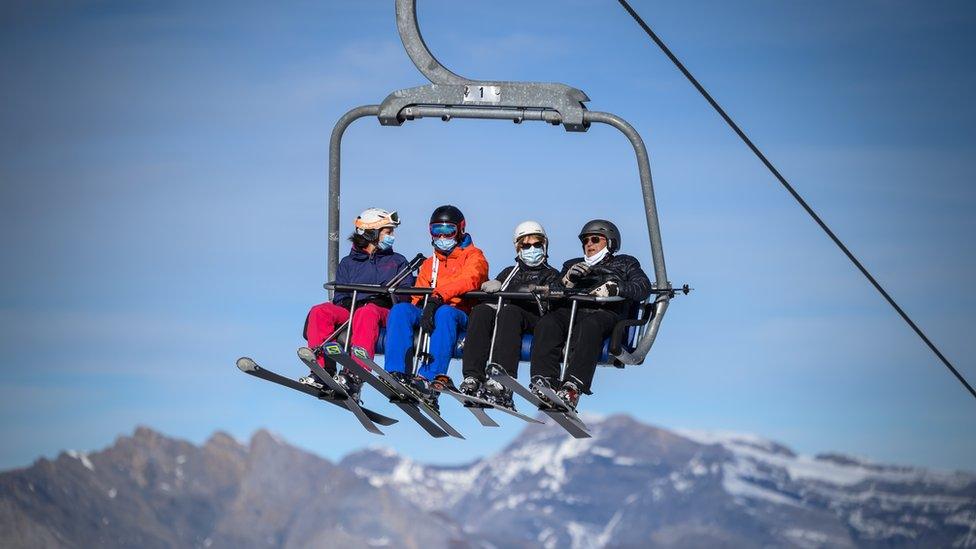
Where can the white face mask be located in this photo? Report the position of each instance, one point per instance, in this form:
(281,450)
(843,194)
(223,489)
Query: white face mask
(597,257)
(532,256)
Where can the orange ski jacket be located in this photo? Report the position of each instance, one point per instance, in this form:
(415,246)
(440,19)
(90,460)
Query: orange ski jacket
(464,270)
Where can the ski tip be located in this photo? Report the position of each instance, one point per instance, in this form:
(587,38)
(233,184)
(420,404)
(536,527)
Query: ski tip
(305,353)
(245,364)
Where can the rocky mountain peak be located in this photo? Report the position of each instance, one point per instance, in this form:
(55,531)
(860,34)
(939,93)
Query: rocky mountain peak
(632,484)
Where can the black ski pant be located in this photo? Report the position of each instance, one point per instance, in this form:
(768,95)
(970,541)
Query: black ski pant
(591,328)
(513,321)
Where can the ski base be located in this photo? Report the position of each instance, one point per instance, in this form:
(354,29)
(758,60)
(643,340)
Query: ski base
(471,401)
(401,391)
(308,357)
(407,405)
(561,415)
(476,407)
(250,367)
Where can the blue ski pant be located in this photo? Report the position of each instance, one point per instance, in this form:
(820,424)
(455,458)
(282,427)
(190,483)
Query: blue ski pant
(403,319)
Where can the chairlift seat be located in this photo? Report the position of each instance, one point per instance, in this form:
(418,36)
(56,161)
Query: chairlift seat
(624,337)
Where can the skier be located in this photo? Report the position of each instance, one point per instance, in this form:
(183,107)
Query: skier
(455,268)
(370,261)
(603,274)
(514,319)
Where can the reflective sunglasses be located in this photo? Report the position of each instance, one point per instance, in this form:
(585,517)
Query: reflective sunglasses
(591,239)
(443,229)
(527,245)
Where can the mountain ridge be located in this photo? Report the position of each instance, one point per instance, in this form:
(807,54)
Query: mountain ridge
(630,485)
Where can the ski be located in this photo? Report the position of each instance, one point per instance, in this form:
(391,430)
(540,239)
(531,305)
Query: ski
(406,404)
(477,402)
(248,366)
(559,414)
(334,350)
(475,406)
(560,404)
(308,357)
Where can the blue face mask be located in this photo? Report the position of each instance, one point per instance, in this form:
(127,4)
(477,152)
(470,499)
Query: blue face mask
(445,244)
(532,256)
(386,242)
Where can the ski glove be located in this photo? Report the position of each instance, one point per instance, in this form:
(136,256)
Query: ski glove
(491,286)
(607,289)
(427,316)
(575,273)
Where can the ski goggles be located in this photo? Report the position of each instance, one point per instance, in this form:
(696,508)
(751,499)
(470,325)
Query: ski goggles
(443,229)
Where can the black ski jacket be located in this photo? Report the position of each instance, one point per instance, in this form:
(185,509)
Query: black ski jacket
(540,275)
(625,270)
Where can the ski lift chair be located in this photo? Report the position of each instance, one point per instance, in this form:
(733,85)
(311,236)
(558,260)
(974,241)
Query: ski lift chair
(451,96)
(623,340)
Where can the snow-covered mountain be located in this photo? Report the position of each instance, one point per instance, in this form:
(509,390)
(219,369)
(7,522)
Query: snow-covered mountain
(635,485)
(631,485)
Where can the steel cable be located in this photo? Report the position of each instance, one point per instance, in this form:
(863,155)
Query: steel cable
(789,188)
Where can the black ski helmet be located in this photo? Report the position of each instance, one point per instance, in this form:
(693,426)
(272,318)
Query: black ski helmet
(604,228)
(448,214)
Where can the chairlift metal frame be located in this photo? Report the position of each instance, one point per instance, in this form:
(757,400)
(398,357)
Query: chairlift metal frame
(450,96)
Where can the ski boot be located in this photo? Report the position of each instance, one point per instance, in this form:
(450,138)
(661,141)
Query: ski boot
(426,394)
(499,395)
(471,386)
(541,381)
(570,394)
(350,383)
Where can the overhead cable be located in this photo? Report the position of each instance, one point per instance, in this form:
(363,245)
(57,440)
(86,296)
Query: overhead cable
(789,188)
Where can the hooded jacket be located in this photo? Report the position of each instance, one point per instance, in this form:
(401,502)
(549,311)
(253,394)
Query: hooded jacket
(461,271)
(360,267)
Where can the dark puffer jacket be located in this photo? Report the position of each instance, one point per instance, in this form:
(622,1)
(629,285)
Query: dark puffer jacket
(625,270)
(540,275)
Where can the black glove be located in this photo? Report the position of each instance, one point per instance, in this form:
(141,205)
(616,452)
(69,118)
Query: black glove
(427,316)
(575,273)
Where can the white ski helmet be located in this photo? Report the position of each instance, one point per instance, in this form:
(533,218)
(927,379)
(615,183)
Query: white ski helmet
(526,228)
(369,223)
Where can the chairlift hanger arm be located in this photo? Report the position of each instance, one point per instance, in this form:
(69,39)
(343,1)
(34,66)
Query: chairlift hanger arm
(448,88)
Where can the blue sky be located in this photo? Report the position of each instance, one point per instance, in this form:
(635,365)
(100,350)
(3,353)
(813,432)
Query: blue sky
(162,209)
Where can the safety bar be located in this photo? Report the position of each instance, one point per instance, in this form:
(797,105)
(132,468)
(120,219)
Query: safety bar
(558,294)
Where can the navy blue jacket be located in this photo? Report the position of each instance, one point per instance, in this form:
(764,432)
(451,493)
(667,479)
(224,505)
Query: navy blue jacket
(360,267)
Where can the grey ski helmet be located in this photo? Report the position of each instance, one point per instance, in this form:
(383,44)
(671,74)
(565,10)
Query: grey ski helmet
(604,228)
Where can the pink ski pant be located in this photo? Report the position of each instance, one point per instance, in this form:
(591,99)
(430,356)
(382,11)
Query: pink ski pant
(367,320)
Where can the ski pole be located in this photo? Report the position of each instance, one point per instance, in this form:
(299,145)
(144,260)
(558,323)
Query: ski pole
(494,331)
(426,357)
(569,336)
(352,309)
(407,269)
(419,342)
